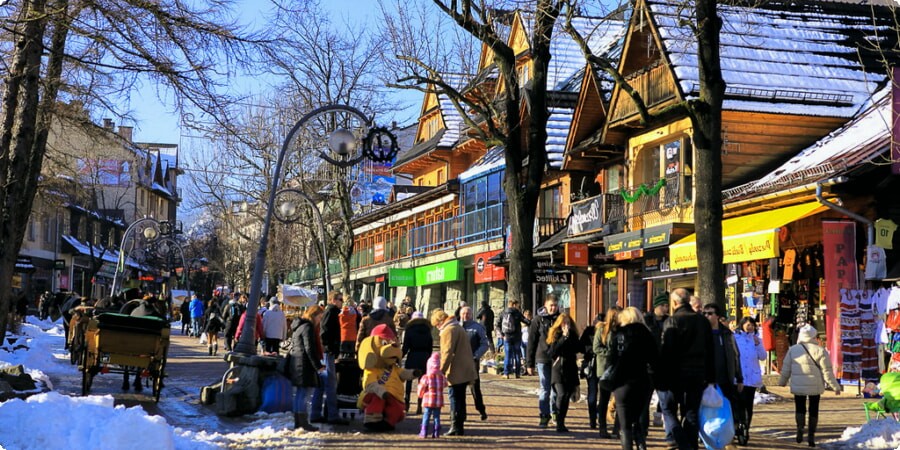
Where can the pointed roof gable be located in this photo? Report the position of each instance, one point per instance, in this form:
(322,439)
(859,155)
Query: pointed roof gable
(813,57)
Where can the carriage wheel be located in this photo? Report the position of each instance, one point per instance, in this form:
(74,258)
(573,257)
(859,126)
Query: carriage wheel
(158,380)
(87,376)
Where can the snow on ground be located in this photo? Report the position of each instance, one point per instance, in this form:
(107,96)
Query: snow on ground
(43,354)
(765,398)
(876,434)
(54,420)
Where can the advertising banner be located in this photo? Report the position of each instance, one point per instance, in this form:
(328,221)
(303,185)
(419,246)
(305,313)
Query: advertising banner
(401,277)
(839,245)
(486,272)
(586,216)
(437,273)
(576,255)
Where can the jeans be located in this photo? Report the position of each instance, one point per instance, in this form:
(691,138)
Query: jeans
(457,394)
(431,415)
(669,407)
(326,390)
(475,387)
(593,390)
(546,395)
(301,398)
(195,326)
(686,431)
(512,359)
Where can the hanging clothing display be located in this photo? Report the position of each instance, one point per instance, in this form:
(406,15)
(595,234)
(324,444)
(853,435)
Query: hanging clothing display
(869,362)
(876,263)
(851,338)
(884,233)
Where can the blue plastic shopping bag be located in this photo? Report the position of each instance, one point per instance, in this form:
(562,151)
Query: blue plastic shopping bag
(717,424)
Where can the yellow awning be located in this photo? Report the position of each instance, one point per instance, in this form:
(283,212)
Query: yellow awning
(746,238)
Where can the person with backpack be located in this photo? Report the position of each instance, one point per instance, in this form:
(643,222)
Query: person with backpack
(510,325)
(538,356)
(197,310)
(231,313)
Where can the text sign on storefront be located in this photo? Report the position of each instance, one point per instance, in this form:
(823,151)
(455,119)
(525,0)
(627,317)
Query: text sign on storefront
(740,248)
(552,278)
(486,272)
(586,216)
(401,277)
(576,254)
(379,252)
(437,273)
(653,237)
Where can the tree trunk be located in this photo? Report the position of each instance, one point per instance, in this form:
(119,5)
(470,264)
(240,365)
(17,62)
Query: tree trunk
(707,122)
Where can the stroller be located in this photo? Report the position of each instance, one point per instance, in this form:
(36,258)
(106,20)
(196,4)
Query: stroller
(349,385)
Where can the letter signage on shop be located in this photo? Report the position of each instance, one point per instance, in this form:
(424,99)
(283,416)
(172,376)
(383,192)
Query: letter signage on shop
(586,216)
(401,277)
(740,248)
(647,238)
(576,254)
(437,273)
(552,278)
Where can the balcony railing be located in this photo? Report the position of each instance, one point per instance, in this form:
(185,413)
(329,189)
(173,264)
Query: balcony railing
(548,226)
(675,192)
(654,86)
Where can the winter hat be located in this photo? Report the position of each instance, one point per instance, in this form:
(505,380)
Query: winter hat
(433,366)
(379,303)
(274,300)
(385,332)
(418,315)
(661,299)
(806,334)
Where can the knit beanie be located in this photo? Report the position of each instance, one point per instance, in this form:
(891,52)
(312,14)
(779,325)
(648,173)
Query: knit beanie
(434,364)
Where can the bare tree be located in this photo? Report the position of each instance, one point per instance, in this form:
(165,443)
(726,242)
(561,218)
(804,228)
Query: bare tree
(94,51)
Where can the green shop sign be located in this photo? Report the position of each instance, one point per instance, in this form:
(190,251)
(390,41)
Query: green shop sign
(401,277)
(437,273)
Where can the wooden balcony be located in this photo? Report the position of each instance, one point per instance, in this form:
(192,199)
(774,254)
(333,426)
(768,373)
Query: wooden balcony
(654,86)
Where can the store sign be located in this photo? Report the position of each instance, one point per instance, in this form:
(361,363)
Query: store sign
(552,278)
(739,248)
(610,274)
(437,273)
(586,216)
(379,252)
(59,264)
(64,282)
(895,129)
(486,272)
(656,261)
(401,277)
(576,254)
(17,281)
(653,237)
(839,251)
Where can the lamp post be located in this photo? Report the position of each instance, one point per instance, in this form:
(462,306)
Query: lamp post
(150,232)
(155,233)
(344,144)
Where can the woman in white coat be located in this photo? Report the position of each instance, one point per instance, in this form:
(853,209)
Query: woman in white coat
(808,368)
(751,352)
(274,326)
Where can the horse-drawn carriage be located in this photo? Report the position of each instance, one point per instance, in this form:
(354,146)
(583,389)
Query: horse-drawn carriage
(117,343)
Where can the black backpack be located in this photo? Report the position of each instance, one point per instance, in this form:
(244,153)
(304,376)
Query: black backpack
(508,324)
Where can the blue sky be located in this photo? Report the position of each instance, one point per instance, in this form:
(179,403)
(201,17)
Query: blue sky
(156,119)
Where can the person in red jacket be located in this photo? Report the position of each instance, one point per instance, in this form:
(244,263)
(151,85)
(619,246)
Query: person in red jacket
(349,323)
(240,328)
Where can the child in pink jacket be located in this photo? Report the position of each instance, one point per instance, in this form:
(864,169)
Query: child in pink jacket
(431,392)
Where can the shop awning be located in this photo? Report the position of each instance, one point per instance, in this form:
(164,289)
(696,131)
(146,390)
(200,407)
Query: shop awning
(746,238)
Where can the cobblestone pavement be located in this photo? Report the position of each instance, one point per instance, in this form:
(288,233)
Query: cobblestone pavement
(512,423)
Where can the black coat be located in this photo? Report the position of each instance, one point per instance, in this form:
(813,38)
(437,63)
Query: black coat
(633,353)
(331,330)
(564,354)
(537,338)
(686,351)
(214,321)
(231,313)
(417,343)
(486,317)
(306,356)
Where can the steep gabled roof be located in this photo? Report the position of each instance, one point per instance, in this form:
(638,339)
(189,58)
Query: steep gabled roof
(862,140)
(811,57)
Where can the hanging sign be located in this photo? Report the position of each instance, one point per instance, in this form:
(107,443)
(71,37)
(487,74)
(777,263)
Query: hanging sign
(576,254)
(486,272)
(401,277)
(586,216)
(839,251)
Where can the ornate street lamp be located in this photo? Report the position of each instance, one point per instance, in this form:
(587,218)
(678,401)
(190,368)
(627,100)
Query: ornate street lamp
(346,145)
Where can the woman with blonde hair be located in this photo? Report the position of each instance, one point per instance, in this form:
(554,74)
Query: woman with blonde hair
(305,364)
(563,348)
(457,364)
(601,351)
(632,358)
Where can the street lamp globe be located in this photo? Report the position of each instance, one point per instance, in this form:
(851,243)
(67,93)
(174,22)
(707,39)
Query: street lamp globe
(288,209)
(150,233)
(342,141)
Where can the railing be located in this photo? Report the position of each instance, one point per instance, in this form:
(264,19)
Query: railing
(675,191)
(548,226)
(653,85)
(474,226)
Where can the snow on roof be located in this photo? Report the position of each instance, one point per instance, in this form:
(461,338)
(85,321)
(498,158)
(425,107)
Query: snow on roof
(158,187)
(859,141)
(558,125)
(601,34)
(493,160)
(792,57)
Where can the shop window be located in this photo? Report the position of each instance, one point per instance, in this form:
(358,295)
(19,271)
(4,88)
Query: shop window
(31,231)
(440,177)
(47,229)
(666,169)
(613,178)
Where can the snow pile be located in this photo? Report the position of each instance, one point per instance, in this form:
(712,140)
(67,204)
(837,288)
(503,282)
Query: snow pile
(876,434)
(264,431)
(762,398)
(52,420)
(40,349)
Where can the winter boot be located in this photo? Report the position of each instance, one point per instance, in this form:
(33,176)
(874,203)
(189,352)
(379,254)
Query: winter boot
(138,387)
(210,350)
(215,348)
(423,433)
(301,420)
(801,419)
(813,423)
(419,407)
(545,421)
(592,416)
(561,424)
(640,440)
